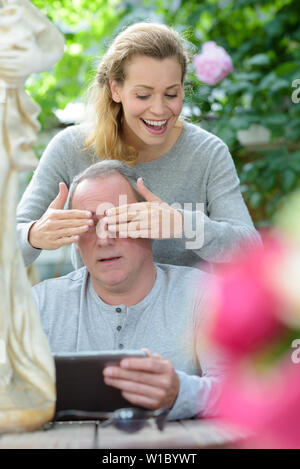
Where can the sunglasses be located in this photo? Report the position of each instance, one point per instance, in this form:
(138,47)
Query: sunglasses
(129,420)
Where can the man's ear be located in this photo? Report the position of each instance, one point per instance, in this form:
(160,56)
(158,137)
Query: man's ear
(115,91)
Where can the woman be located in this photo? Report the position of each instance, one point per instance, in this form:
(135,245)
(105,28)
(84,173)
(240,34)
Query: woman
(136,100)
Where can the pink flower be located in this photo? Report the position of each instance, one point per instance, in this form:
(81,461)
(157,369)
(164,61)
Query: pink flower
(244,306)
(267,406)
(260,397)
(213,64)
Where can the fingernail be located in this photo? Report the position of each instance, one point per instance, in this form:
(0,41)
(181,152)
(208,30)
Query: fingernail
(88,214)
(125,364)
(108,372)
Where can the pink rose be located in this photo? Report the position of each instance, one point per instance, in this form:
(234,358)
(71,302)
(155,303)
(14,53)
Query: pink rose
(244,306)
(246,316)
(213,64)
(267,406)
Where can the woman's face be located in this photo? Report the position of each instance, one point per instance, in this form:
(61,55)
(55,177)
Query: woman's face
(151,98)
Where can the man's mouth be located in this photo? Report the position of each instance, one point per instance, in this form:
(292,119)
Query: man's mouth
(109,260)
(156,127)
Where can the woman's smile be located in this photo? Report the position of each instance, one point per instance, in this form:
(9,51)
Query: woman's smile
(155,127)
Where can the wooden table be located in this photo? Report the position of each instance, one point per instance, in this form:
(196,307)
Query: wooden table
(89,435)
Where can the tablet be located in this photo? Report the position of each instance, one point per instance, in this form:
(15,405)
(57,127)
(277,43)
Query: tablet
(80,384)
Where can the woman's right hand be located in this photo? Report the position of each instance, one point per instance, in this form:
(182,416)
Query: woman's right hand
(58,227)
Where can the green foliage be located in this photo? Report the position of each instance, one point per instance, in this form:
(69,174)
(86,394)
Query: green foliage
(262,38)
(86,26)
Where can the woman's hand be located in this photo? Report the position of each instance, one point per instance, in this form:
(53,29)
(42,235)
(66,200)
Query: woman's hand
(58,227)
(152,219)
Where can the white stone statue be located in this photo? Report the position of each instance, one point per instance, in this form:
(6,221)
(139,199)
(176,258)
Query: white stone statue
(29,43)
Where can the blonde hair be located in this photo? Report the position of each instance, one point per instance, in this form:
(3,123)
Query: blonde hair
(148,39)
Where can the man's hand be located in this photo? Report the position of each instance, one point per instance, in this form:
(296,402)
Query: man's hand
(149,382)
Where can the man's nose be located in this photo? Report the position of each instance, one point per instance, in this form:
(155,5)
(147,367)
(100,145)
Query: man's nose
(106,241)
(103,236)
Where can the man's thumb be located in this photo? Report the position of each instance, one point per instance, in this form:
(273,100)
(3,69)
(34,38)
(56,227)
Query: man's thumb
(60,200)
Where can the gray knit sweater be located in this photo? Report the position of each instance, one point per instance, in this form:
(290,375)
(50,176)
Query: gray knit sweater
(197,174)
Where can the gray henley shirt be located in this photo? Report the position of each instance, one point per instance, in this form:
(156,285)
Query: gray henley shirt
(166,321)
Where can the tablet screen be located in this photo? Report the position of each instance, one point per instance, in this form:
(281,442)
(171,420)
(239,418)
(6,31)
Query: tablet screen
(80,384)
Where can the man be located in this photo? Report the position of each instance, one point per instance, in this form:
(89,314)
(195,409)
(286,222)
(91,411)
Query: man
(121,299)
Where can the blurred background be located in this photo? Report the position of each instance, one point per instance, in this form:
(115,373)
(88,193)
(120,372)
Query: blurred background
(255,109)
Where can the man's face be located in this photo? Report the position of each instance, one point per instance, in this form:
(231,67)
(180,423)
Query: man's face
(115,264)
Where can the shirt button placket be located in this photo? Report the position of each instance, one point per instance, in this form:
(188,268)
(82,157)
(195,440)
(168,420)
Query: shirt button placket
(119,327)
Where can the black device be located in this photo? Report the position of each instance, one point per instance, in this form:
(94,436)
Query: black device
(80,383)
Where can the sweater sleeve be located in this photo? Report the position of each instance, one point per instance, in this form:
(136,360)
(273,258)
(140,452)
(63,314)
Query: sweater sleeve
(199,394)
(216,230)
(42,189)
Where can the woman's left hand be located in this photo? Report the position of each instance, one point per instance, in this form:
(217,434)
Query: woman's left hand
(152,219)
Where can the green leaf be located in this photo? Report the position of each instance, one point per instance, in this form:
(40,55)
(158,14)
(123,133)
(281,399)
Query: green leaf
(202,92)
(251,175)
(234,88)
(267,81)
(255,200)
(267,181)
(279,85)
(295,166)
(288,179)
(275,27)
(276,119)
(285,68)
(227,134)
(247,76)
(295,161)
(259,59)
(292,130)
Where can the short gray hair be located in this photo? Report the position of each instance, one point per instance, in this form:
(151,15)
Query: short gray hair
(102,169)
